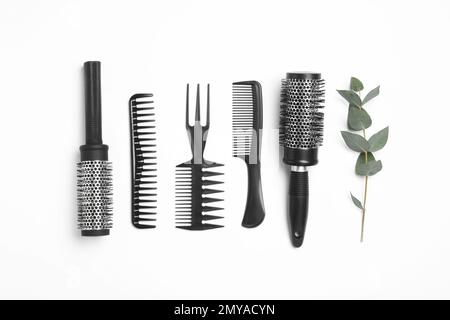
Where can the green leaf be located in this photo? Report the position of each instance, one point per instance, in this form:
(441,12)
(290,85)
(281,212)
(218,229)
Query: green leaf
(358,119)
(367,169)
(356,84)
(351,97)
(361,161)
(372,94)
(357,202)
(355,141)
(378,140)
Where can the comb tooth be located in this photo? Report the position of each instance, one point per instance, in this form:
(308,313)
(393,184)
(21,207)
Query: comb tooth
(138,206)
(144,188)
(145,182)
(212,165)
(204,226)
(138,194)
(139,200)
(211,173)
(144,120)
(147,214)
(137,139)
(210,208)
(146,158)
(136,127)
(207,217)
(137,109)
(145,219)
(138,115)
(140,102)
(209,200)
(211,191)
(210,182)
(141,175)
(147,145)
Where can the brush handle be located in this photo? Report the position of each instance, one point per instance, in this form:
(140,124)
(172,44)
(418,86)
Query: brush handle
(298,206)
(93,103)
(254,210)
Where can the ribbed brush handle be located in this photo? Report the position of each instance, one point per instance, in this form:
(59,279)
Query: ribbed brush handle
(93,102)
(254,211)
(298,206)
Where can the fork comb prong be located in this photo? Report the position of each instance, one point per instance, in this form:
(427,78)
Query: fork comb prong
(197,105)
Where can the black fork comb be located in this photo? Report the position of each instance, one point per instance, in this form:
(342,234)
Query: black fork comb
(143,161)
(193,178)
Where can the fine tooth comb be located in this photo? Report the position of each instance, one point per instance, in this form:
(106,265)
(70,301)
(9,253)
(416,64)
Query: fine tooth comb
(301,134)
(247,132)
(143,161)
(193,183)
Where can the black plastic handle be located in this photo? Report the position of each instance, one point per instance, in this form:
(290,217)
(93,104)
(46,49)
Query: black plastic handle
(254,210)
(93,102)
(298,206)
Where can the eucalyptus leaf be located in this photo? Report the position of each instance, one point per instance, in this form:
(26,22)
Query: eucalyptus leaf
(368,169)
(351,97)
(372,94)
(355,141)
(378,140)
(361,161)
(356,84)
(356,202)
(358,118)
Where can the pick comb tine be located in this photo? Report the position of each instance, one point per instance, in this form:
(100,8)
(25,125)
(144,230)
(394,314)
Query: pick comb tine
(207,108)
(187,107)
(197,105)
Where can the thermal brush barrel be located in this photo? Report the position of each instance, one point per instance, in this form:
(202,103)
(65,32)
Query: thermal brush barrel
(94,169)
(301,132)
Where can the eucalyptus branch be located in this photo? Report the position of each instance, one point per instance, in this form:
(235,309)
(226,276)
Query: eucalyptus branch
(359,120)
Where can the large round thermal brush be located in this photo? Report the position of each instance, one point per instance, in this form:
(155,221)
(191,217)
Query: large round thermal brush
(94,169)
(301,132)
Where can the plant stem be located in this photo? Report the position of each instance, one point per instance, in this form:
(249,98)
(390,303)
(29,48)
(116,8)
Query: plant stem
(364,208)
(366,181)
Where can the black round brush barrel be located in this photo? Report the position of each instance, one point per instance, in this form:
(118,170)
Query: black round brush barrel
(94,170)
(301,131)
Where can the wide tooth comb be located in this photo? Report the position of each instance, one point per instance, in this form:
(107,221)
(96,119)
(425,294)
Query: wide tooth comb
(143,164)
(193,176)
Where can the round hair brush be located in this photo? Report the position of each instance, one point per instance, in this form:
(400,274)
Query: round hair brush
(94,170)
(301,133)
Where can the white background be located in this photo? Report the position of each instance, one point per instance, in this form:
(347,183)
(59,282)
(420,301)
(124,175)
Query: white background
(158,47)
